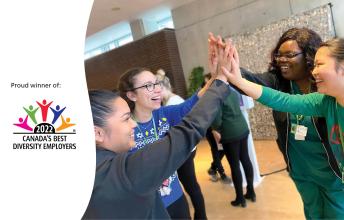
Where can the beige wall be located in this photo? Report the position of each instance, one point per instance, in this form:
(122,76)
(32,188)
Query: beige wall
(228,17)
(234,17)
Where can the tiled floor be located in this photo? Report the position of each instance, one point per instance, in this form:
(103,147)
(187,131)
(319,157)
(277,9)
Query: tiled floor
(277,197)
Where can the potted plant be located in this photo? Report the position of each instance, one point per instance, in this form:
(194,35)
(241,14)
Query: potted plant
(195,80)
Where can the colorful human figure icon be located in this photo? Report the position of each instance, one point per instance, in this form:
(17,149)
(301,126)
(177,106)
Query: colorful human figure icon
(65,124)
(44,109)
(31,113)
(57,112)
(23,124)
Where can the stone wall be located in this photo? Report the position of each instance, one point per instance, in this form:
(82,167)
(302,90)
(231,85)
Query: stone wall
(255,26)
(254,48)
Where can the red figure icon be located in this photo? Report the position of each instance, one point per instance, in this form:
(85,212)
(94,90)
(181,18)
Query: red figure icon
(44,109)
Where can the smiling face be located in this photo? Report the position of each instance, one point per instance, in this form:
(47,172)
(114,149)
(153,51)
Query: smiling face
(118,133)
(327,73)
(292,67)
(146,100)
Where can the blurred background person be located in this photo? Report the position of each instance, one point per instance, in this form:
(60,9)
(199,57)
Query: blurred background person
(186,173)
(216,170)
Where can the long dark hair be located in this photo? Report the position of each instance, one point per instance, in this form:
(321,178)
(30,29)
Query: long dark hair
(308,41)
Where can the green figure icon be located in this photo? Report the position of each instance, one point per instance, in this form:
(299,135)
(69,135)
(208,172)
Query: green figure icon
(31,113)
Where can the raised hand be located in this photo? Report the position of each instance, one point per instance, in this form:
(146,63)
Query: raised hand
(233,75)
(213,39)
(225,54)
(222,54)
(212,55)
(232,70)
(212,64)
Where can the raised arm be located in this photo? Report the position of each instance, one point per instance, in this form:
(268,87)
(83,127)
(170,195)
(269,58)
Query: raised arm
(144,170)
(311,104)
(233,74)
(213,61)
(267,79)
(175,113)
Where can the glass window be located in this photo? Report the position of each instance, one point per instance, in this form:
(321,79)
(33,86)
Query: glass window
(108,46)
(165,23)
(124,40)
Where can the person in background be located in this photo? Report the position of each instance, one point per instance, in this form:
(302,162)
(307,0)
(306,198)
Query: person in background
(168,96)
(213,138)
(232,126)
(320,184)
(186,173)
(141,89)
(126,184)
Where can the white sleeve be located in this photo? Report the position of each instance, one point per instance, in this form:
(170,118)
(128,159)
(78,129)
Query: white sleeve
(175,100)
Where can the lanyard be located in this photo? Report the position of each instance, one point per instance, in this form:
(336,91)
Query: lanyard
(341,142)
(298,117)
(144,136)
(340,130)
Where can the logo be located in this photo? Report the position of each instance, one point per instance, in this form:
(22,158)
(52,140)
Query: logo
(57,124)
(44,125)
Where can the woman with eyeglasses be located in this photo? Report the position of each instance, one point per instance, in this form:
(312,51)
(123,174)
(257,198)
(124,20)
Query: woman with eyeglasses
(289,71)
(321,188)
(312,161)
(141,89)
(125,185)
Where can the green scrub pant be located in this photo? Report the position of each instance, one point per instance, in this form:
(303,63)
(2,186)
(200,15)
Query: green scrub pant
(322,202)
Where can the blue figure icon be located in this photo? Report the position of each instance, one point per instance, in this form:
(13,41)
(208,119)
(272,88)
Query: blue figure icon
(57,112)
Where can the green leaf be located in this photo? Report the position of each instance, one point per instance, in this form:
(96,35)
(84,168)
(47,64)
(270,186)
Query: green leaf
(196,80)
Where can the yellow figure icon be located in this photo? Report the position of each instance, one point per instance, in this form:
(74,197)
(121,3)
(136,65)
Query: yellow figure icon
(65,124)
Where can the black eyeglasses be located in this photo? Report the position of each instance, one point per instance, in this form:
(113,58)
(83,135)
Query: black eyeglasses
(287,56)
(149,86)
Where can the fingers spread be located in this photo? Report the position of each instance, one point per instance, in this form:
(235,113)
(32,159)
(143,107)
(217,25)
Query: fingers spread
(211,38)
(236,55)
(227,49)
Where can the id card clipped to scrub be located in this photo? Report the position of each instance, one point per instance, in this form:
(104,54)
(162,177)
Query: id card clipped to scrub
(300,132)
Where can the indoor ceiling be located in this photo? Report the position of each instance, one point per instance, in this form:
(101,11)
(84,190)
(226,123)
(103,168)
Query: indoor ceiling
(105,13)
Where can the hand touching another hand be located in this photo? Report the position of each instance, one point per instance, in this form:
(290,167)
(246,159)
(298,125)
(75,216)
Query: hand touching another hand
(212,55)
(231,65)
(233,74)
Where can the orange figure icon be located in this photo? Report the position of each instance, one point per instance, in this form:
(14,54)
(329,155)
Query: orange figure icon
(65,124)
